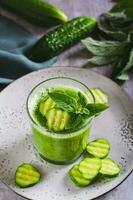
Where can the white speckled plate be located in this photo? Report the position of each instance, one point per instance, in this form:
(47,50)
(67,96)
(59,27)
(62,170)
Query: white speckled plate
(116,124)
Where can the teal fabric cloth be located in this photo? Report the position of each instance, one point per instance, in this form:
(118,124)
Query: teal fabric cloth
(14,41)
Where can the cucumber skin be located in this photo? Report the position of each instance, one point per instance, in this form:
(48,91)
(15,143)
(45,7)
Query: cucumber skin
(30,185)
(61,38)
(36,11)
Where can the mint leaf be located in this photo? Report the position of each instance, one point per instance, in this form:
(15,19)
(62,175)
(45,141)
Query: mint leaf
(104,48)
(96,108)
(85,111)
(67,103)
(81,100)
(102,60)
(109,33)
(123,77)
(74,121)
(118,17)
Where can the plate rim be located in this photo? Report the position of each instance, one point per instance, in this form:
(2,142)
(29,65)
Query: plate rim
(70,68)
(67,68)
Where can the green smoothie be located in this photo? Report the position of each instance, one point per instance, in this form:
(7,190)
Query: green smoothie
(62,124)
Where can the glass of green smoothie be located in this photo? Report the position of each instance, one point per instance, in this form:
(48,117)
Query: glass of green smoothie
(59,119)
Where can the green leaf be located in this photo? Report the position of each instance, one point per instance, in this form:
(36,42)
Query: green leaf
(81,100)
(104,48)
(67,103)
(102,60)
(123,77)
(106,31)
(85,111)
(123,5)
(130,37)
(121,14)
(122,65)
(74,121)
(118,17)
(123,73)
(97,108)
(129,64)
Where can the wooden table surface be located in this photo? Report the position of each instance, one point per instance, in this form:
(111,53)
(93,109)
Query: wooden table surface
(77,57)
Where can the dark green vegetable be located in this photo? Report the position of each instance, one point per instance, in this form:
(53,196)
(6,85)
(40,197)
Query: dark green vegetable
(63,37)
(36,11)
(27,175)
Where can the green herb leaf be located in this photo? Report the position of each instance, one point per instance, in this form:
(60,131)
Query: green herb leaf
(118,18)
(104,48)
(81,100)
(116,44)
(121,64)
(109,33)
(129,64)
(67,103)
(123,5)
(123,73)
(96,108)
(86,111)
(102,60)
(123,77)
(74,121)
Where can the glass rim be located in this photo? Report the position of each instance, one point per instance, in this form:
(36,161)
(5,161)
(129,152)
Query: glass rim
(45,129)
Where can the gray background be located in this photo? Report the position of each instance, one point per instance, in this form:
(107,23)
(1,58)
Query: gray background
(77,57)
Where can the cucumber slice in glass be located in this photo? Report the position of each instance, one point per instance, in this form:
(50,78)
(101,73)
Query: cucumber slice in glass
(57,119)
(45,106)
(100,96)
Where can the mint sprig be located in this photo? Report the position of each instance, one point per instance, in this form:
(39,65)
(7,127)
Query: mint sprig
(114,44)
(77,107)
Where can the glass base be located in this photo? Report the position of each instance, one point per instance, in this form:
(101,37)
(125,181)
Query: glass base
(42,159)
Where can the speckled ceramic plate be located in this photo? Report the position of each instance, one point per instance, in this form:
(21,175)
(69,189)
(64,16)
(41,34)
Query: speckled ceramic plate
(116,124)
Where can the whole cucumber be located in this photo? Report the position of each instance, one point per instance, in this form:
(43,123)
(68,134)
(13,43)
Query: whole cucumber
(61,38)
(36,11)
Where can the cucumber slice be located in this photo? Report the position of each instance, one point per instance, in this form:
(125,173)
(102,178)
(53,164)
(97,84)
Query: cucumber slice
(109,168)
(45,106)
(100,96)
(27,175)
(57,119)
(77,177)
(99,148)
(89,167)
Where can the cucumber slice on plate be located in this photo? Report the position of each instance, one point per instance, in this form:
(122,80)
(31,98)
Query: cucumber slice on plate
(109,168)
(98,148)
(77,177)
(100,96)
(57,119)
(89,167)
(45,106)
(27,175)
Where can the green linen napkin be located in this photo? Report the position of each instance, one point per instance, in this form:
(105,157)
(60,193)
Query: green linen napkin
(14,41)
